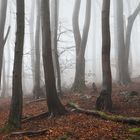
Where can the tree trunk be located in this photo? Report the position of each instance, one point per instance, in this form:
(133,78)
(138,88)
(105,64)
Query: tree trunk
(79,81)
(123,69)
(54,31)
(2,27)
(104,101)
(54,105)
(37,89)
(130,23)
(3,94)
(32,40)
(14,120)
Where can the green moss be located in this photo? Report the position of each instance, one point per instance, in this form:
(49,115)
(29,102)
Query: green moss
(110,117)
(134,137)
(64,137)
(9,127)
(134,130)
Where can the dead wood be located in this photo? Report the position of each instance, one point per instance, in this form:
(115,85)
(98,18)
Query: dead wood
(34,101)
(36,117)
(105,116)
(28,133)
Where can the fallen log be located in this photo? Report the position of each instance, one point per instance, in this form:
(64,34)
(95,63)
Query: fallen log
(40,116)
(28,133)
(105,116)
(38,100)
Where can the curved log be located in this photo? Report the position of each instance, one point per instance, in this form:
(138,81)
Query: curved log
(105,116)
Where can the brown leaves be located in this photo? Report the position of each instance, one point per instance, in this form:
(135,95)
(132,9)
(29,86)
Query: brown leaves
(75,126)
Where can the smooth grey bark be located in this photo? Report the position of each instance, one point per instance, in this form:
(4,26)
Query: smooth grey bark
(104,101)
(3,94)
(23,77)
(54,31)
(37,89)
(32,39)
(8,65)
(131,20)
(94,36)
(2,27)
(123,69)
(81,42)
(14,120)
(115,42)
(54,105)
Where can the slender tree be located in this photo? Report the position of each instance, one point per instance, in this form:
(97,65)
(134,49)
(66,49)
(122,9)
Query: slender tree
(104,100)
(14,120)
(131,20)
(37,88)
(123,69)
(2,27)
(54,31)
(81,42)
(3,94)
(54,105)
(32,39)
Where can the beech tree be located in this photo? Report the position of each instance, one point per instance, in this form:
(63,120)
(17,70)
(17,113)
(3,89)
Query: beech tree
(32,40)
(14,120)
(2,27)
(3,94)
(37,89)
(80,42)
(54,105)
(131,20)
(104,101)
(54,32)
(123,69)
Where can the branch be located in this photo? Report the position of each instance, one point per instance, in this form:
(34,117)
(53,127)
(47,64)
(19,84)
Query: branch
(103,115)
(7,34)
(38,100)
(40,116)
(28,133)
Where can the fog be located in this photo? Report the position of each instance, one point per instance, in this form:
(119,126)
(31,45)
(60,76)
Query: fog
(66,43)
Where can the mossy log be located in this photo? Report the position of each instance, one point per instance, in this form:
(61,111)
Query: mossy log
(135,130)
(105,116)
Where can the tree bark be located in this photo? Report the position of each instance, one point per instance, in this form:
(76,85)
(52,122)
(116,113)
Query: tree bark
(123,68)
(32,40)
(104,101)
(37,89)
(130,23)
(14,120)
(3,94)
(79,81)
(2,27)
(54,105)
(54,31)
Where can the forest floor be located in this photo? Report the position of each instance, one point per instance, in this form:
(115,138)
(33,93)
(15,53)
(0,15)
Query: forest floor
(76,126)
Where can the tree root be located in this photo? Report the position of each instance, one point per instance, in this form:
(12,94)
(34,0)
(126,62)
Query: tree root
(40,116)
(103,115)
(27,133)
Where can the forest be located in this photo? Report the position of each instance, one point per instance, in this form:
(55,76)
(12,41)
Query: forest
(69,70)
